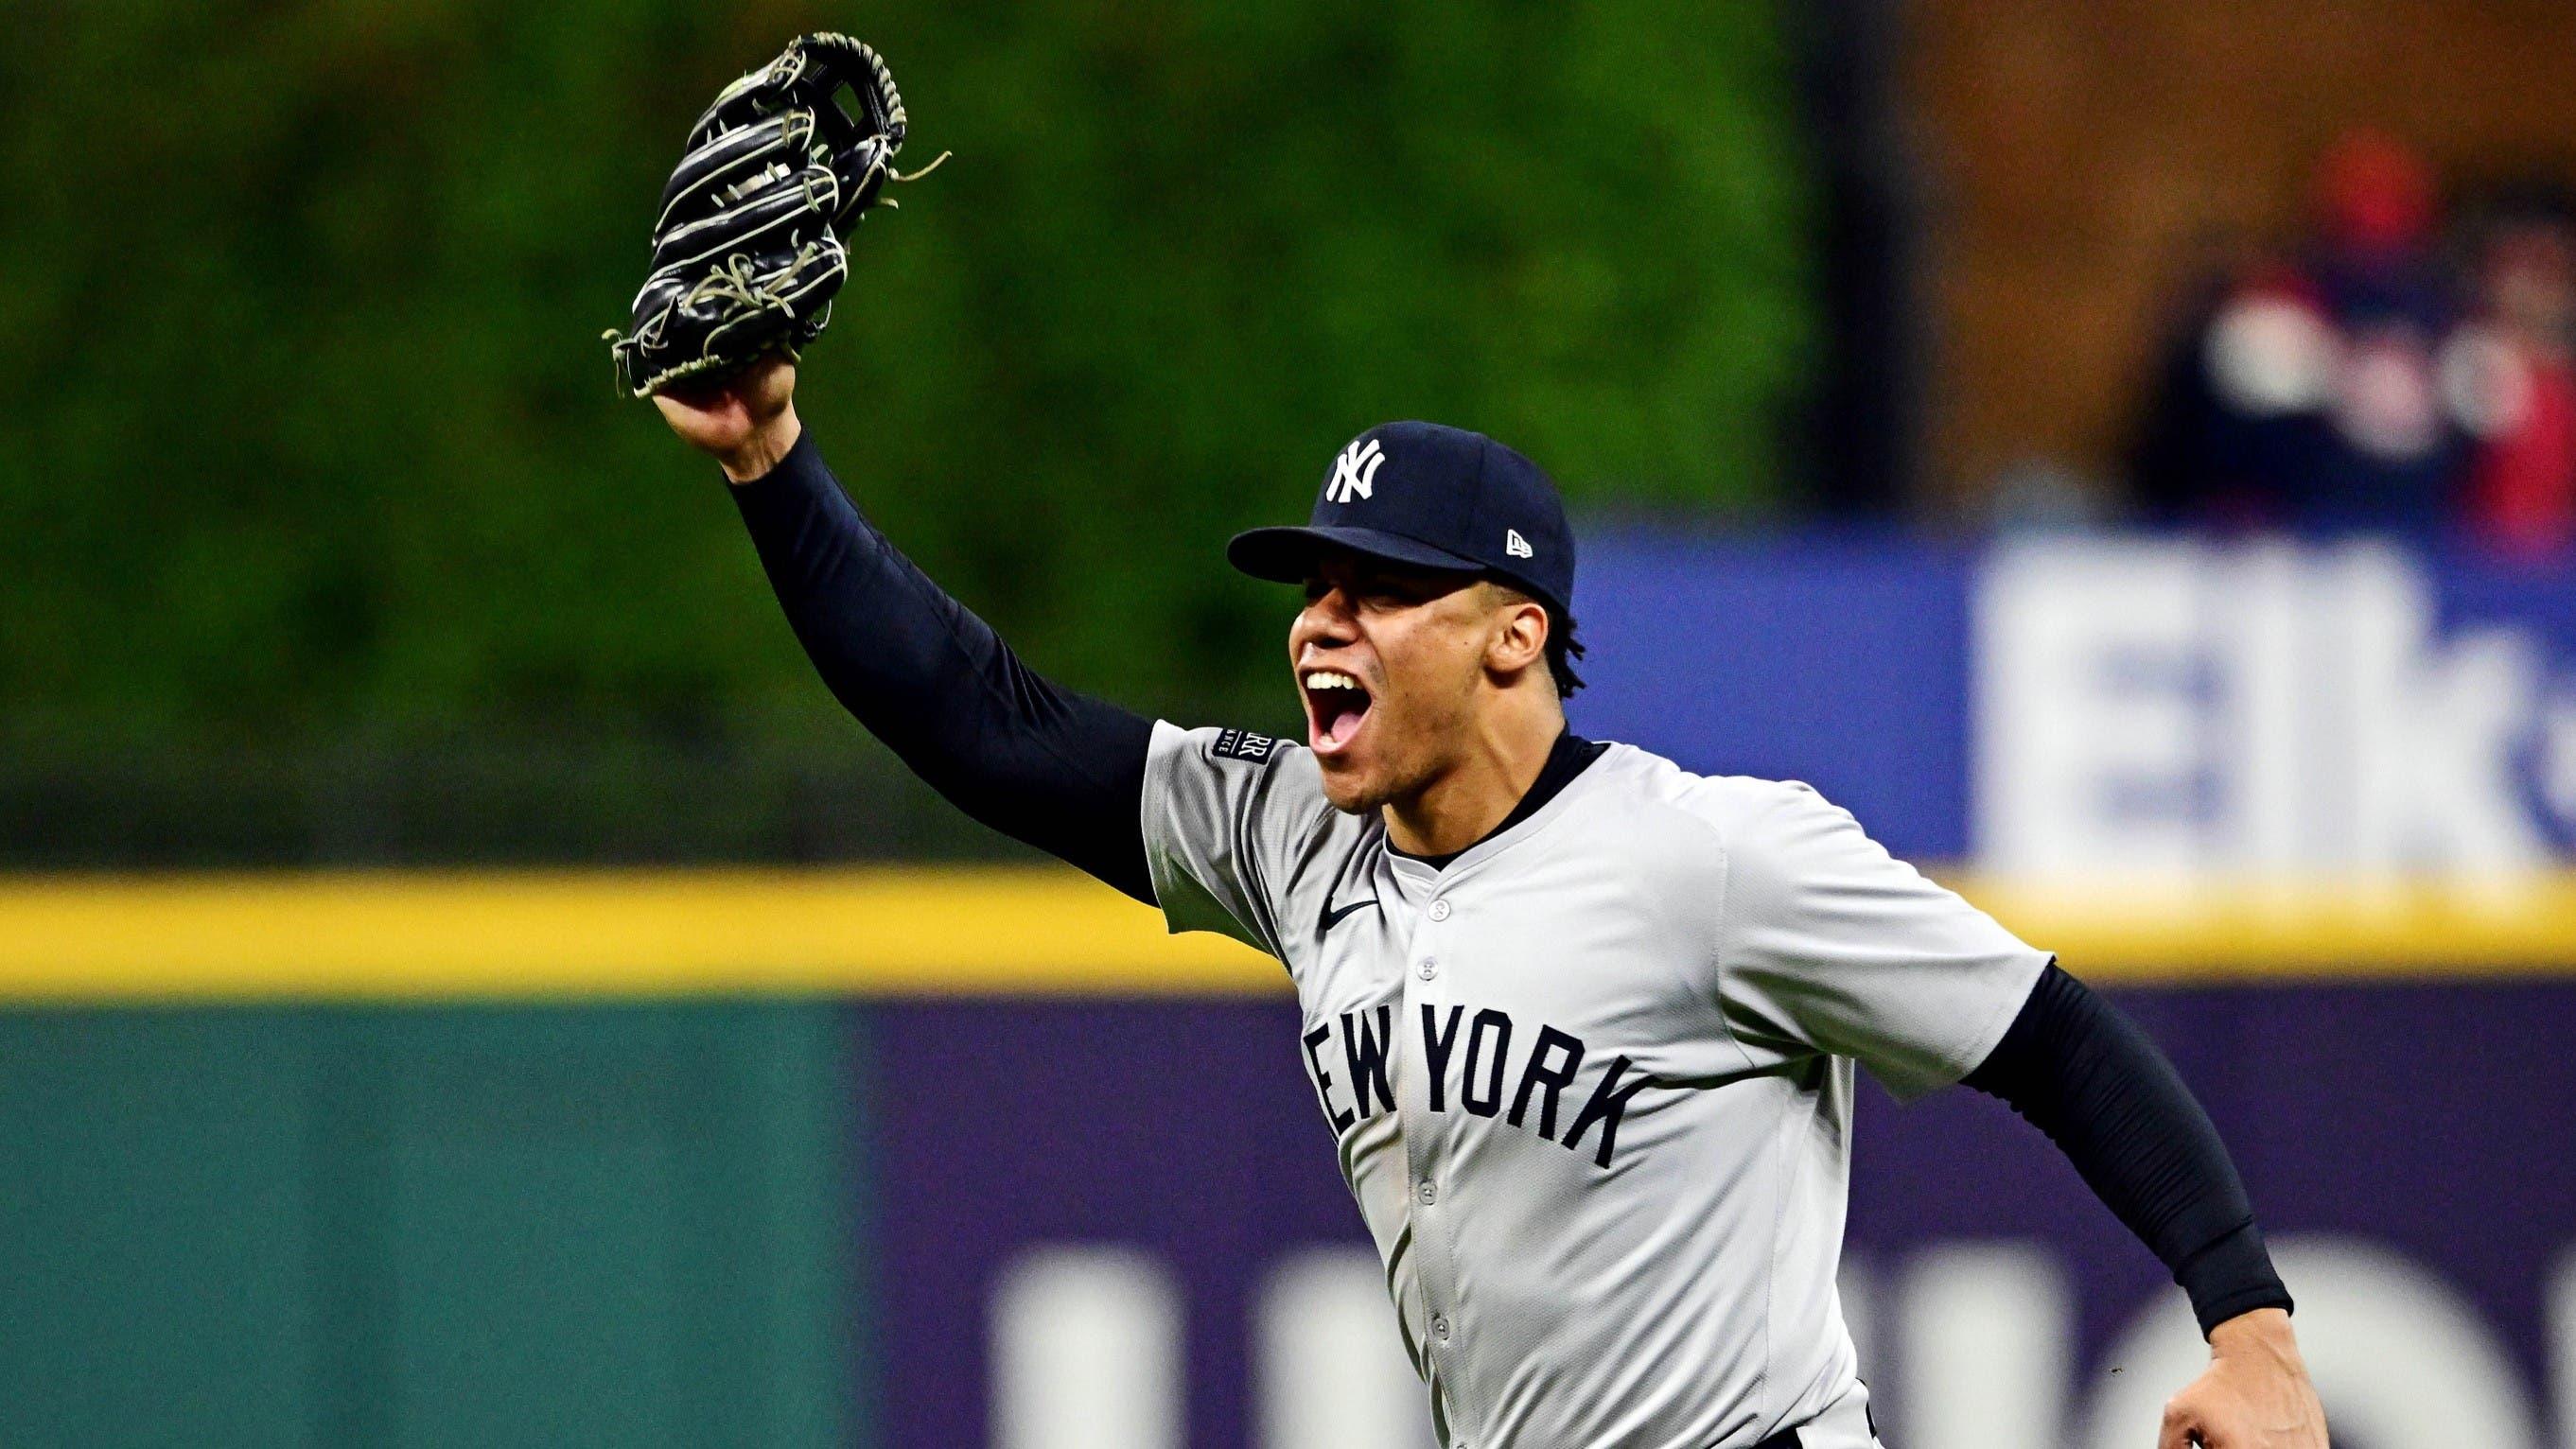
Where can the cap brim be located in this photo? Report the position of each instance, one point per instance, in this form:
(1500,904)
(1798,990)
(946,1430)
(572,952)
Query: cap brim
(1287,554)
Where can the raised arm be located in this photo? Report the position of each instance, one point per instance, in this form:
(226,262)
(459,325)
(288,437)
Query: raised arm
(2088,1077)
(1045,765)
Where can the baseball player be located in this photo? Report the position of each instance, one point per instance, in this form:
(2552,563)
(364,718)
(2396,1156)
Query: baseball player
(1583,1024)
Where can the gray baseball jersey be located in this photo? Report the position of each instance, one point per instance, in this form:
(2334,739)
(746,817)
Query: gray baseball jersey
(1591,1082)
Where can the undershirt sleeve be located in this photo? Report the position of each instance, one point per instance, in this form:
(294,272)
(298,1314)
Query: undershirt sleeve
(2082,1072)
(1045,765)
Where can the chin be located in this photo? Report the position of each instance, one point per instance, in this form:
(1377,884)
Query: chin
(1351,790)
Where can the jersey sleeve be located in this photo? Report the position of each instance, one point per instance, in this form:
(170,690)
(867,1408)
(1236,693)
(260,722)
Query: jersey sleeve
(1828,943)
(1226,814)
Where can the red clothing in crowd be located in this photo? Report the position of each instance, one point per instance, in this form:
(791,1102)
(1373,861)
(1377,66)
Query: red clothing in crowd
(2523,499)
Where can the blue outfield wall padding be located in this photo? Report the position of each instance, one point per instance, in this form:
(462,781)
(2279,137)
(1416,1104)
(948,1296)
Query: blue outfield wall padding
(1186,1142)
(1841,661)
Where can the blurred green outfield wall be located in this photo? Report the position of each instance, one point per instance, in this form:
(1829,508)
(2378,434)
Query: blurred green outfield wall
(312,453)
(492,1226)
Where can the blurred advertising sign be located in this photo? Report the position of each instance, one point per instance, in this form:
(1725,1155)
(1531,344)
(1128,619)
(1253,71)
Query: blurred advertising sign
(1087,1351)
(2144,708)
(1117,1225)
(2089,707)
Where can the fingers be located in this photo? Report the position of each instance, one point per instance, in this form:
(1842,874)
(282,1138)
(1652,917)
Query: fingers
(696,395)
(767,384)
(682,412)
(713,422)
(2181,1429)
(727,416)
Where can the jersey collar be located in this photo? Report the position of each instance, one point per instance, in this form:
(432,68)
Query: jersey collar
(1567,760)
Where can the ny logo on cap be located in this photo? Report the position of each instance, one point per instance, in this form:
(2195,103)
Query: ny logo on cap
(1355,472)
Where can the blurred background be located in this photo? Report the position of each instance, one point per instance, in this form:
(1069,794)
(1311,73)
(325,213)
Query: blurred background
(463,982)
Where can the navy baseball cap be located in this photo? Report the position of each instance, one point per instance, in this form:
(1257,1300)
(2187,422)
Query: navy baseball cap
(1433,497)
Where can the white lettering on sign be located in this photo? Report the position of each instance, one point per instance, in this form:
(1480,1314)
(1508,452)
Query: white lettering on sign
(1970,1346)
(2172,708)
(1086,1346)
(1969,1308)
(1328,1364)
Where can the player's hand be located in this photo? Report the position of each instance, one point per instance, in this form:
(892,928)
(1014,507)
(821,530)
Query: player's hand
(746,423)
(2256,1394)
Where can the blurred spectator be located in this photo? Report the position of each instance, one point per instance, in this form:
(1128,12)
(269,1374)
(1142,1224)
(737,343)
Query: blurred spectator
(2515,381)
(2304,392)
(2039,494)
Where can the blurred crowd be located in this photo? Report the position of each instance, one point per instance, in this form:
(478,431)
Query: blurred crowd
(2398,371)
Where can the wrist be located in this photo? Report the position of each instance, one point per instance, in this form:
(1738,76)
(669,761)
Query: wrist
(759,453)
(2264,1332)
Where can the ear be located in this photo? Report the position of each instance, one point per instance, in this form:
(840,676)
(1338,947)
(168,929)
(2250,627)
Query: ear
(1519,640)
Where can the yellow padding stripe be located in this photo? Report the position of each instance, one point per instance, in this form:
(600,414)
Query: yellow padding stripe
(1008,931)
(2301,930)
(599,934)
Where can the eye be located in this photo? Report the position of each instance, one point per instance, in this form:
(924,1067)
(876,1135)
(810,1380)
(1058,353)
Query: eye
(1398,591)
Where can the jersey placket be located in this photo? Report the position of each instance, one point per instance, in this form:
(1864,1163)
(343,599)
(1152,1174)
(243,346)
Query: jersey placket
(1429,975)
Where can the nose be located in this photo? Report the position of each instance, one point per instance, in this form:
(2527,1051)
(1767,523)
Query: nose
(1327,622)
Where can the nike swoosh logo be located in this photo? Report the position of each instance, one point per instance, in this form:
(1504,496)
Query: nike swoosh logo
(1333,917)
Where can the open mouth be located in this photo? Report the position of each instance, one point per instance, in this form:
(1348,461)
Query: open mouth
(1336,703)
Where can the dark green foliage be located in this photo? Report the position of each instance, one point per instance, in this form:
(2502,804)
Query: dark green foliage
(311,436)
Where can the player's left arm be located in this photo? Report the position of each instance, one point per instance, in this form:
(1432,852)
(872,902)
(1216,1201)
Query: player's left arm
(2083,1073)
(1828,943)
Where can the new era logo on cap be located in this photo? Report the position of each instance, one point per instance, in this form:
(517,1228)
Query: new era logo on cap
(1355,471)
(1515,545)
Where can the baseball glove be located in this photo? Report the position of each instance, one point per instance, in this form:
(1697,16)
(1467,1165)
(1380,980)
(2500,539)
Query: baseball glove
(747,250)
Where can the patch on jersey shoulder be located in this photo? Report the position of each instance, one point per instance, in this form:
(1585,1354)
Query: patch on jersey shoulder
(1242,745)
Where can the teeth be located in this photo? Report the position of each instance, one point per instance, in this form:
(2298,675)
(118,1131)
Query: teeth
(1330,679)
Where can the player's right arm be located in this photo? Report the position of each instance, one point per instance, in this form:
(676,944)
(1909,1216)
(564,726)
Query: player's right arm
(1043,764)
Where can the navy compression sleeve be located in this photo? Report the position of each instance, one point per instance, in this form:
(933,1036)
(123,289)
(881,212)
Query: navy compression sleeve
(1059,770)
(2083,1073)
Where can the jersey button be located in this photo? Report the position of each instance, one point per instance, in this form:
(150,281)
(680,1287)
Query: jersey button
(1440,1329)
(1440,909)
(1429,968)
(1428,1193)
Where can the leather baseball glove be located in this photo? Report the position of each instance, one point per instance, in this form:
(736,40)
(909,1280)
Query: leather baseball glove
(747,250)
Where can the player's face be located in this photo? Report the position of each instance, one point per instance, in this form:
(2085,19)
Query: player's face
(1390,662)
